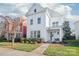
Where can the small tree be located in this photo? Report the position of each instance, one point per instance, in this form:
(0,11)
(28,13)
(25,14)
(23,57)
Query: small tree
(66,30)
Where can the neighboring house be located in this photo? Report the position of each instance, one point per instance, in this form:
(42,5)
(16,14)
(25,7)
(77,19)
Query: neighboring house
(77,29)
(23,27)
(2,25)
(44,23)
(13,28)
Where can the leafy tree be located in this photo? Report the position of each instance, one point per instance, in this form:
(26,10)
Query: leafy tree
(66,30)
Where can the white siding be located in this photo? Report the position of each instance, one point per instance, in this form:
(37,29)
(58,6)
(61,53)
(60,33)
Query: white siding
(77,29)
(35,26)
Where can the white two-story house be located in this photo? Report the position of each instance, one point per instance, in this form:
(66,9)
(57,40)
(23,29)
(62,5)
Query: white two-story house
(42,22)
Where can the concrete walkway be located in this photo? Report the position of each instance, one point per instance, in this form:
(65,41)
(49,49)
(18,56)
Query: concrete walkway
(12,52)
(41,49)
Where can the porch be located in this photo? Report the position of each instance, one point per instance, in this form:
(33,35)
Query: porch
(54,34)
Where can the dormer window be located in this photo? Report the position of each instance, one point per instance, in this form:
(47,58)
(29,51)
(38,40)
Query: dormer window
(34,10)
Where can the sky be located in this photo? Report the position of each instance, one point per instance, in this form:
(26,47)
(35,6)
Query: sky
(19,9)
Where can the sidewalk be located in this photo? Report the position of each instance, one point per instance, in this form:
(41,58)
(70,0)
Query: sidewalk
(12,52)
(40,49)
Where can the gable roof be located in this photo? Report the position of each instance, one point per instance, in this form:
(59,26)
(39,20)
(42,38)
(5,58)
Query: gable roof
(50,11)
(34,4)
(53,13)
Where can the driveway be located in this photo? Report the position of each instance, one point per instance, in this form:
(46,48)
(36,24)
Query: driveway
(11,52)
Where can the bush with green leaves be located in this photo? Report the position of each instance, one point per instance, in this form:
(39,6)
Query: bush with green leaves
(24,40)
(34,40)
(3,39)
(39,40)
(31,40)
(66,30)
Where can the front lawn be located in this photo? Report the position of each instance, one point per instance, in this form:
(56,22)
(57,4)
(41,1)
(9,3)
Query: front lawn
(20,46)
(27,47)
(60,50)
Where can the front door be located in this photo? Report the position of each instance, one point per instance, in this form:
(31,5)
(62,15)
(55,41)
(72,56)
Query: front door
(54,36)
(51,37)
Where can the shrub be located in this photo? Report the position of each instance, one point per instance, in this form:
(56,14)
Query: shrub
(24,40)
(17,40)
(3,39)
(31,40)
(39,40)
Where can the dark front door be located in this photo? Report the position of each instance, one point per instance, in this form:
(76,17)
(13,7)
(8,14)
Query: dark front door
(51,37)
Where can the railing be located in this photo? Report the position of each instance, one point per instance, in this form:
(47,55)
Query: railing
(53,27)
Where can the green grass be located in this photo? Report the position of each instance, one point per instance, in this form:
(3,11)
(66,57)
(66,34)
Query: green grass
(20,46)
(70,50)
(3,44)
(26,47)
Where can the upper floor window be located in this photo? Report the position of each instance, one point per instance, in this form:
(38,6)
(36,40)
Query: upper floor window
(39,20)
(34,10)
(31,21)
(55,24)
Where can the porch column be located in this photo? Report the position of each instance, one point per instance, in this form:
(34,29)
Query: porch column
(60,30)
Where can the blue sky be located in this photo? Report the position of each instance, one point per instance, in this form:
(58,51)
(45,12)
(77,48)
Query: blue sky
(75,7)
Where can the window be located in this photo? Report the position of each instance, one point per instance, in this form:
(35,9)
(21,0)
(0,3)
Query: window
(35,34)
(34,10)
(55,24)
(38,34)
(39,20)
(31,21)
(31,34)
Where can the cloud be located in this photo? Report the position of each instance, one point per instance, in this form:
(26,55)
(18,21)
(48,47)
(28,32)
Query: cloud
(49,5)
(15,9)
(22,8)
(63,9)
